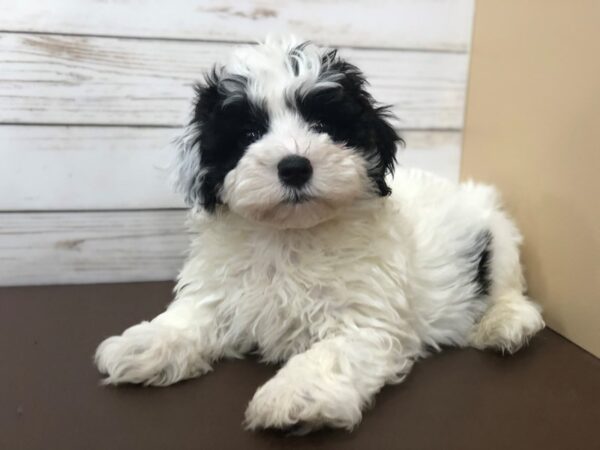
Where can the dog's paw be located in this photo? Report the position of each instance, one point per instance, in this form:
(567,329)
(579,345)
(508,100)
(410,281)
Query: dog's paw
(277,405)
(508,325)
(299,407)
(149,354)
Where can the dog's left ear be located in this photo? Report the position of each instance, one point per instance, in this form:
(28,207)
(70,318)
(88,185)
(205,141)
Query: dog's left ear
(382,140)
(386,140)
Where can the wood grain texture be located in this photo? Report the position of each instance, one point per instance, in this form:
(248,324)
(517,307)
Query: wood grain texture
(68,168)
(87,202)
(418,24)
(85,247)
(90,80)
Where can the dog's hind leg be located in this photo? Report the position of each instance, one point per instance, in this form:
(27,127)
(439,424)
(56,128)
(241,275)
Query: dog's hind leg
(180,343)
(511,319)
(508,324)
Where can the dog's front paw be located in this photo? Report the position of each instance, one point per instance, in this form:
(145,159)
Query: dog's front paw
(301,406)
(280,405)
(149,354)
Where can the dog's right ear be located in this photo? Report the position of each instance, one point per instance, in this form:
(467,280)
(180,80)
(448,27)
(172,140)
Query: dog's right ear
(192,178)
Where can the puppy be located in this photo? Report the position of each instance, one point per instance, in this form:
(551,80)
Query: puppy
(300,252)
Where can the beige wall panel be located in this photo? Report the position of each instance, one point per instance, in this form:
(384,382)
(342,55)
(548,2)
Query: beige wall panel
(533,129)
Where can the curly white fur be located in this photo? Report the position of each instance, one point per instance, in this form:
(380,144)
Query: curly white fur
(349,312)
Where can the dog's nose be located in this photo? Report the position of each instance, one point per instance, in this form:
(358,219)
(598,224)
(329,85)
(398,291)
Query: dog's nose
(294,170)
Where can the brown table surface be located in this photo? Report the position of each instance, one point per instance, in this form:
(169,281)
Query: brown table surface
(545,397)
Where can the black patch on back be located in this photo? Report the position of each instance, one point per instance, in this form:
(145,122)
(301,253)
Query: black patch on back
(227,126)
(481,259)
(350,115)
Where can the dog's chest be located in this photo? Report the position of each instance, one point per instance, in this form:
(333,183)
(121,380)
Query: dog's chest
(291,290)
(284,290)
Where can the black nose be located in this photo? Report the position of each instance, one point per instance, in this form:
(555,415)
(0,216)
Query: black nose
(294,170)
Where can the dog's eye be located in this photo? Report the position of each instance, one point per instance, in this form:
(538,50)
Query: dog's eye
(252,136)
(318,127)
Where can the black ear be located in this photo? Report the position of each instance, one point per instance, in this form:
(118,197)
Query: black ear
(211,93)
(386,140)
(379,138)
(192,179)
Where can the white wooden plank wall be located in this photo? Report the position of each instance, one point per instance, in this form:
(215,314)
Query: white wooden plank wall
(92,92)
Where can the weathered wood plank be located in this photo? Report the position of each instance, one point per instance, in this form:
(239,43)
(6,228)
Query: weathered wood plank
(419,24)
(438,152)
(89,80)
(68,168)
(55,248)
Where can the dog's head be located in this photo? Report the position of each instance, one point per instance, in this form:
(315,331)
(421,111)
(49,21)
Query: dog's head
(285,134)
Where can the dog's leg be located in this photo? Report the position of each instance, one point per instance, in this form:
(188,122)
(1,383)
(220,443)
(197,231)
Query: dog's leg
(508,324)
(512,319)
(180,343)
(330,383)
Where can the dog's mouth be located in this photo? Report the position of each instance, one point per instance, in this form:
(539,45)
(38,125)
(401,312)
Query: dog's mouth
(297,198)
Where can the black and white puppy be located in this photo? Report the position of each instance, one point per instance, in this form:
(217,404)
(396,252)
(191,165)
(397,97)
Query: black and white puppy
(299,250)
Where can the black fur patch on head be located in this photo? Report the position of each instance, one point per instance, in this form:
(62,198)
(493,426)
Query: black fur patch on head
(227,123)
(350,115)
